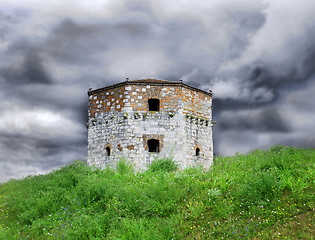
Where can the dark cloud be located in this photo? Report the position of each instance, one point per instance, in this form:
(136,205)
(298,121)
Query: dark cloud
(35,149)
(77,42)
(231,104)
(259,59)
(306,141)
(53,147)
(33,71)
(246,23)
(296,69)
(30,70)
(266,120)
(309,62)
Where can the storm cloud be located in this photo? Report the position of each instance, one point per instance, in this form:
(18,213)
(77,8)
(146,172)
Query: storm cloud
(257,56)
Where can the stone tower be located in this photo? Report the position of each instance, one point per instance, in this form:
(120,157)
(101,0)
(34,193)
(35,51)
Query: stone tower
(142,120)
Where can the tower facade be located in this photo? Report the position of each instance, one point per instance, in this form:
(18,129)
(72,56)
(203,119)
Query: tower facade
(142,120)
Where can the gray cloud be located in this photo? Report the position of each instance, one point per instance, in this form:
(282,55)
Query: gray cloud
(25,66)
(257,56)
(266,120)
(75,43)
(10,17)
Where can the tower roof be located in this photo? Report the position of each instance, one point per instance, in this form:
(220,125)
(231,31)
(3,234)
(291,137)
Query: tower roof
(151,82)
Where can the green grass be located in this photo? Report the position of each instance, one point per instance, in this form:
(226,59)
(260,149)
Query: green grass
(261,195)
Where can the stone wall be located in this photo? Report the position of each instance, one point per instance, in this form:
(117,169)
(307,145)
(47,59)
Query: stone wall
(119,120)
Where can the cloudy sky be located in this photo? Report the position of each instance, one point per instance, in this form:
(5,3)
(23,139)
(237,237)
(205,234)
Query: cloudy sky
(258,57)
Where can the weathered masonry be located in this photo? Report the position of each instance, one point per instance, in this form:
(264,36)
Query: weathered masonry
(142,120)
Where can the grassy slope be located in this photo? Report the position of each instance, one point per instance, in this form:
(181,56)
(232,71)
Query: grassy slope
(262,195)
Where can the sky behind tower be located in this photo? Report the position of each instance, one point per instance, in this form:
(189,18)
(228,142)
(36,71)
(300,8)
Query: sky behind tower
(257,56)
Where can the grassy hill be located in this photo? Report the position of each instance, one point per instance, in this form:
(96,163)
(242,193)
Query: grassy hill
(261,195)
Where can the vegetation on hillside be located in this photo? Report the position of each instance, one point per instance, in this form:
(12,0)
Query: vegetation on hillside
(261,195)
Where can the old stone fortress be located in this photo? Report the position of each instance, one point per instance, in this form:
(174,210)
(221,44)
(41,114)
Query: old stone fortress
(141,120)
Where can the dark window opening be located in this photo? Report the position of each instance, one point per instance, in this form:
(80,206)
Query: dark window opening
(154,105)
(107,151)
(197,152)
(153,145)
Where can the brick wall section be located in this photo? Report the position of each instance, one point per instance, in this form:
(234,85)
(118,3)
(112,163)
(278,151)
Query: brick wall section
(119,118)
(196,103)
(104,101)
(134,97)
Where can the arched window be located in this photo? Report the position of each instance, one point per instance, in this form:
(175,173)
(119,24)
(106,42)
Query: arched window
(197,151)
(107,151)
(154,104)
(153,145)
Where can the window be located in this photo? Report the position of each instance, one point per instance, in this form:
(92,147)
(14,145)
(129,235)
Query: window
(154,104)
(153,145)
(107,151)
(197,151)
